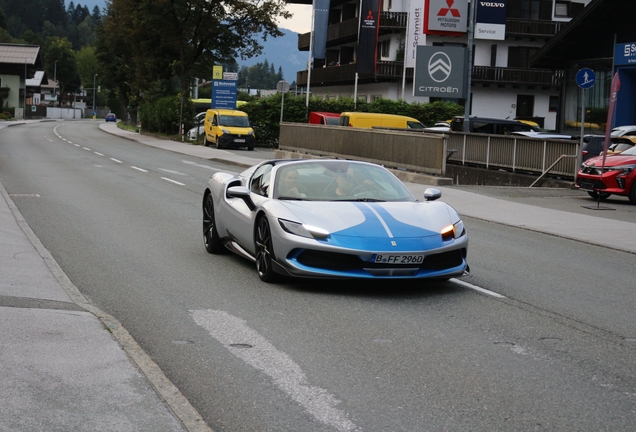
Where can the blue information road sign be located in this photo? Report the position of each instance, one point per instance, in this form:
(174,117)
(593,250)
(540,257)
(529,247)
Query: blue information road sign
(585,78)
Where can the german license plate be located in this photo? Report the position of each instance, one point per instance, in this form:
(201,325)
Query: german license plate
(240,140)
(397,259)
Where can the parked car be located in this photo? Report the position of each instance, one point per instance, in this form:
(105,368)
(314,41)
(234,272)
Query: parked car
(324,118)
(544,135)
(616,177)
(593,145)
(193,134)
(622,130)
(228,128)
(489,125)
(332,218)
(111,117)
(379,120)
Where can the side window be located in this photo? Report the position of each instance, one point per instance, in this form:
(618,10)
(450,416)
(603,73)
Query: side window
(259,184)
(214,120)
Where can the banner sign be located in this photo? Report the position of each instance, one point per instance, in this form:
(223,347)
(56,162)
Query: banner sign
(415,36)
(217,72)
(625,54)
(368,37)
(224,94)
(440,72)
(321,22)
(616,86)
(491,20)
(446,17)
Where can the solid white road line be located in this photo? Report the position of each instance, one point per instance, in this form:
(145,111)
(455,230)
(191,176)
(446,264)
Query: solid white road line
(476,288)
(246,344)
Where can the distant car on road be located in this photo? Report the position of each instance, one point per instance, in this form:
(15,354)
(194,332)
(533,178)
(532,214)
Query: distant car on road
(330,218)
(111,117)
(616,177)
(324,118)
(193,134)
(623,130)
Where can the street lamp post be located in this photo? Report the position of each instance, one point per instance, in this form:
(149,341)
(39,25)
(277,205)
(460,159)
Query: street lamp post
(94,79)
(26,60)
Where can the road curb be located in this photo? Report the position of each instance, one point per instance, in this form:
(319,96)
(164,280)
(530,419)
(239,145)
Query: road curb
(174,399)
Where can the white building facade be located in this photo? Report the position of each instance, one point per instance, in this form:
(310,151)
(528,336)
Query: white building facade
(503,85)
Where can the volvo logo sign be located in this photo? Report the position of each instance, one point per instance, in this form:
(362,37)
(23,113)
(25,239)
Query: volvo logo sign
(439,67)
(440,72)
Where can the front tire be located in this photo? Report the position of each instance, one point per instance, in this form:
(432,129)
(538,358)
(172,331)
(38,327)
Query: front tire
(264,251)
(632,193)
(599,195)
(218,146)
(210,235)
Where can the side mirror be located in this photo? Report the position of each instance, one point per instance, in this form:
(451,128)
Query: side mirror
(431,194)
(243,193)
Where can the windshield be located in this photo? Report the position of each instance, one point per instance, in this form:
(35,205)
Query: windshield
(333,121)
(236,121)
(339,181)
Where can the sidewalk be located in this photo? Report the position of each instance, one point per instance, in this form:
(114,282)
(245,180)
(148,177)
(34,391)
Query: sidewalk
(73,367)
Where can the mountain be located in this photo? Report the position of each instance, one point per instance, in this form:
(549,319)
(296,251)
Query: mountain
(282,52)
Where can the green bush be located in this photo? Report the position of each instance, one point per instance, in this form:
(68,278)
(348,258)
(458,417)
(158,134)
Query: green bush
(162,115)
(265,113)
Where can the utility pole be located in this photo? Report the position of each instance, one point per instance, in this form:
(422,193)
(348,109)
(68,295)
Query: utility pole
(94,88)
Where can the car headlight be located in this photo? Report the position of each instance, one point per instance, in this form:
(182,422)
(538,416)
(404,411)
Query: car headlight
(626,169)
(453,231)
(303,230)
(250,133)
(225,131)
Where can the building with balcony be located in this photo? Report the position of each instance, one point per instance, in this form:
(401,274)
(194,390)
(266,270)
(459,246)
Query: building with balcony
(503,83)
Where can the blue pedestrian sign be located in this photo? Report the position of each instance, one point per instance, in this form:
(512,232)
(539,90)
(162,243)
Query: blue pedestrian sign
(585,78)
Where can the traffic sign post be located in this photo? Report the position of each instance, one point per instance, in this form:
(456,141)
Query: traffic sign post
(585,79)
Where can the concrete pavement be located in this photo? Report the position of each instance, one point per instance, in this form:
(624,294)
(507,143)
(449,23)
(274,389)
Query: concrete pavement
(69,366)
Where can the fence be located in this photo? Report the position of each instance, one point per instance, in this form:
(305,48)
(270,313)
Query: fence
(430,152)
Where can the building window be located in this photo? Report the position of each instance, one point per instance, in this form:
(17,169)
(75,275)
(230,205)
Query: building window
(520,56)
(554,104)
(384,48)
(562,9)
(530,9)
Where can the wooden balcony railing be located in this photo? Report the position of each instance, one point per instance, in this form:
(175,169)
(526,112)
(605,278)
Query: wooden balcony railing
(532,28)
(393,70)
(506,75)
(347,31)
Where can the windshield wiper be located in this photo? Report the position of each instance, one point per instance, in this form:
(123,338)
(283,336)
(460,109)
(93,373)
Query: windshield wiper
(287,198)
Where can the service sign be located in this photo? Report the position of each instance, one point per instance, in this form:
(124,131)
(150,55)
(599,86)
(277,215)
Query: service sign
(446,16)
(625,54)
(440,72)
(491,20)
(224,94)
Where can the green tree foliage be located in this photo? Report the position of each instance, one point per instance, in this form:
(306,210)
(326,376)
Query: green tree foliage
(260,76)
(182,38)
(68,76)
(265,113)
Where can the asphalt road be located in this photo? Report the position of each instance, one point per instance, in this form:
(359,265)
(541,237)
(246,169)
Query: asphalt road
(124,222)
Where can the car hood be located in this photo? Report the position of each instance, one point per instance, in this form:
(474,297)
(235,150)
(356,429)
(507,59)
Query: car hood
(371,225)
(612,160)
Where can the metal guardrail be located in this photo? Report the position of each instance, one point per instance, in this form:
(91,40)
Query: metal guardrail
(516,154)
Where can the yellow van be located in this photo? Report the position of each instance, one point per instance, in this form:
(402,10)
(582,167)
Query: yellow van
(228,128)
(370,120)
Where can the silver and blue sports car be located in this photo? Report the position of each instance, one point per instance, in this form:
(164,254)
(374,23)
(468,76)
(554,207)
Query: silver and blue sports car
(326,218)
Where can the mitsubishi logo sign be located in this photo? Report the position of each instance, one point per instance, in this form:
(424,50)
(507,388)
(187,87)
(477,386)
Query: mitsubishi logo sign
(446,17)
(439,67)
(439,72)
(449,9)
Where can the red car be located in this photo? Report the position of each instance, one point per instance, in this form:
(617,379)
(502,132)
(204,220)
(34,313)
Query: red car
(616,177)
